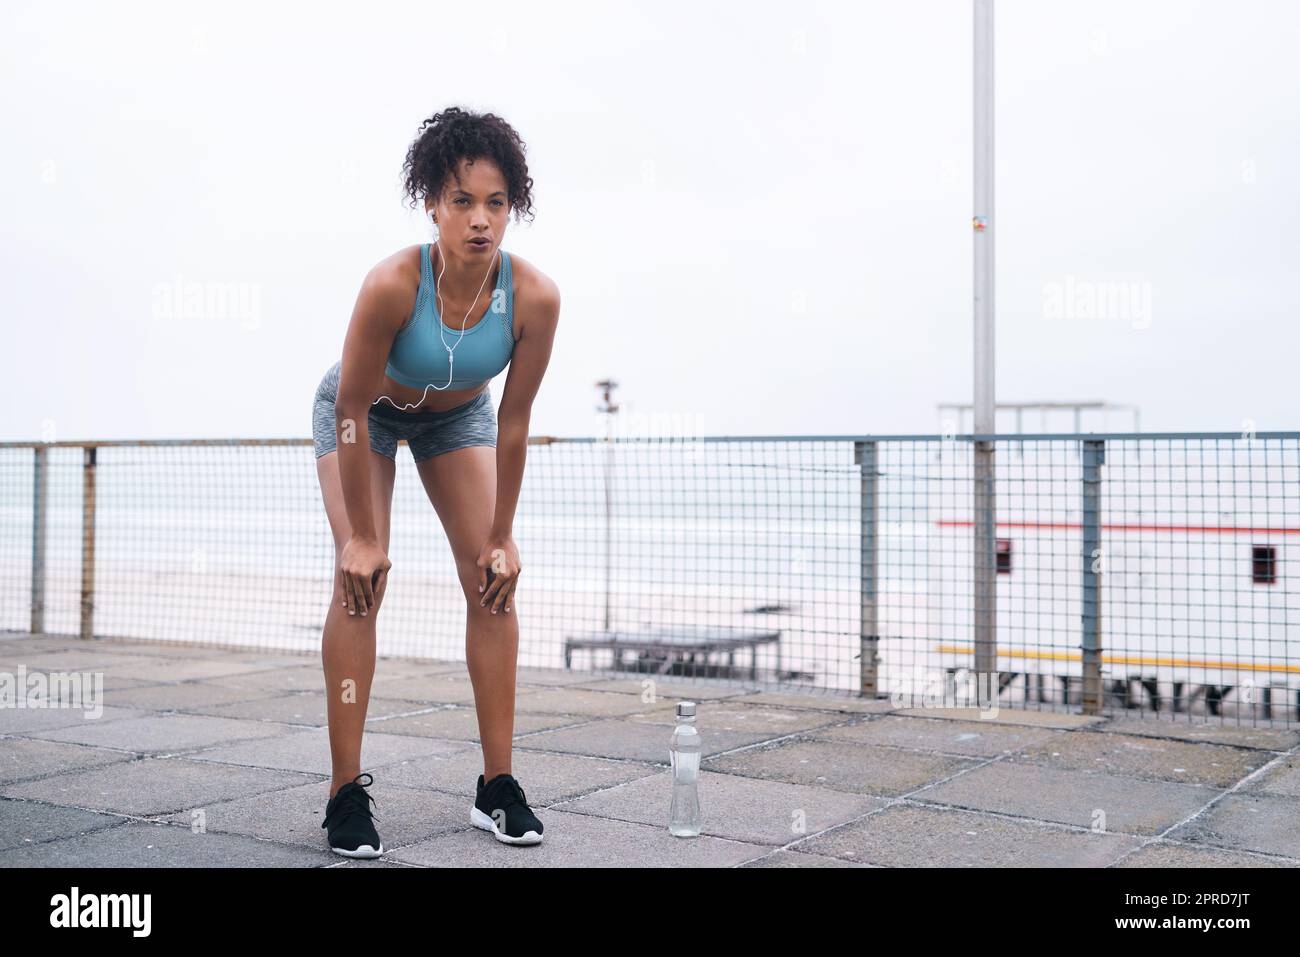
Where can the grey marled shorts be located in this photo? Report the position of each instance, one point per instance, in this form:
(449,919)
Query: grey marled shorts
(427,433)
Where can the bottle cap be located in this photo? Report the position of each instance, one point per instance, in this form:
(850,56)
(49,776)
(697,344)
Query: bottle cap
(686,709)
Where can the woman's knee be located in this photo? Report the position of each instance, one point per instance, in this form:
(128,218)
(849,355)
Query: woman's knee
(469,574)
(379,591)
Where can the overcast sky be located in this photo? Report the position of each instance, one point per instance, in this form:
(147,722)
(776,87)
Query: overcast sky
(758,214)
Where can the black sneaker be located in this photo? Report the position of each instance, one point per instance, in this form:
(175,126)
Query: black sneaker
(347,820)
(501,808)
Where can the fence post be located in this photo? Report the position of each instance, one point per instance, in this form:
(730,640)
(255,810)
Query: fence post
(88,543)
(40,488)
(864,455)
(1094,456)
(985,562)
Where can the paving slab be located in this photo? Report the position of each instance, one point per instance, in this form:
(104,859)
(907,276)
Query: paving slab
(166,668)
(170,649)
(92,661)
(1150,759)
(142,844)
(633,740)
(460,722)
(580,840)
(152,785)
(305,677)
(732,715)
(1248,822)
(386,668)
(381,862)
(162,733)
(27,823)
(906,835)
(796,858)
(27,643)
(302,708)
(1078,798)
(33,720)
(857,768)
(24,758)
(744,809)
(1244,736)
(550,677)
(821,702)
(546,778)
(62,688)
(108,681)
(657,687)
(173,696)
(973,738)
(293,815)
(579,701)
(433,689)
(1165,854)
(308,750)
(1035,719)
(114,683)
(1282,779)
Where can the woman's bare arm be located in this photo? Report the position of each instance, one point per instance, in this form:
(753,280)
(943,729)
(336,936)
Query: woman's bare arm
(384,303)
(528,362)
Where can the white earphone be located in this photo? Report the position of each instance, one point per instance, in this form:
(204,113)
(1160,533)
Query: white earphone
(451,350)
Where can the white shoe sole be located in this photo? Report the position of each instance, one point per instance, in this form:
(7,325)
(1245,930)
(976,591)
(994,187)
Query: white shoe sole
(365,850)
(481,820)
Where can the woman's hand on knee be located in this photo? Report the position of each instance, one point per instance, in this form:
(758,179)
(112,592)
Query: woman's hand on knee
(362,566)
(499,567)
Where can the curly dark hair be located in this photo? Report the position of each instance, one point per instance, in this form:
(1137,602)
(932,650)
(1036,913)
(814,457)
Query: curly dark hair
(455,134)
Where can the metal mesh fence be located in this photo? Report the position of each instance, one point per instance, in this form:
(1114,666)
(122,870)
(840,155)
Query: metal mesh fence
(842,565)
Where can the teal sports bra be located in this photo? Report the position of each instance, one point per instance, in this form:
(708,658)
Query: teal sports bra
(418,357)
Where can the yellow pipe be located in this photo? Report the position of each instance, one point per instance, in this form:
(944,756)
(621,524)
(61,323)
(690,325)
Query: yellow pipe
(1130,660)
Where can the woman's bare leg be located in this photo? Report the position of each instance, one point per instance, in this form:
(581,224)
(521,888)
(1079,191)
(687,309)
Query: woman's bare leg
(462,487)
(348,642)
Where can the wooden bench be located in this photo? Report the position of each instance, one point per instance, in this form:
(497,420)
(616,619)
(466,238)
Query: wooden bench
(676,645)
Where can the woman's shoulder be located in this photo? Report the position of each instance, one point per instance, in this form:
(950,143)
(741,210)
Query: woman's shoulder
(397,271)
(403,264)
(532,287)
(389,289)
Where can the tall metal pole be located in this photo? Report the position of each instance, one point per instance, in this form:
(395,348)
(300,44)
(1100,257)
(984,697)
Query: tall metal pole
(608,407)
(88,543)
(984,578)
(1094,457)
(864,453)
(40,517)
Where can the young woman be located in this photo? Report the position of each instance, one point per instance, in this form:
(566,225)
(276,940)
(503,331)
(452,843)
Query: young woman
(432,324)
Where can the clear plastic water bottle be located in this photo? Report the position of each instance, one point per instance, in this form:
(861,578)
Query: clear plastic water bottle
(684,754)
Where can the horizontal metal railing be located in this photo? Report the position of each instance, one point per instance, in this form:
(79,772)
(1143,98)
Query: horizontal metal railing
(1139,573)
